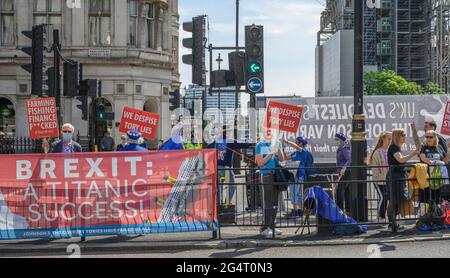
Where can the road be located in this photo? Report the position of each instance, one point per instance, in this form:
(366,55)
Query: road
(429,249)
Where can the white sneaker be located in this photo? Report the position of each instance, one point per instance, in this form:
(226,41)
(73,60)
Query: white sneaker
(278,232)
(267,233)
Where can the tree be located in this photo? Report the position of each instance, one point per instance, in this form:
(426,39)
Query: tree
(390,83)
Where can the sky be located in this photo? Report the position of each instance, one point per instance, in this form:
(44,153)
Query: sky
(290,38)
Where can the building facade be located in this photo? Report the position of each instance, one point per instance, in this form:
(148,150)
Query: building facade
(130,45)
(397,36)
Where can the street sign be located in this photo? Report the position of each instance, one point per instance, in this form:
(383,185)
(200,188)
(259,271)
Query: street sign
(255,85)
(255,68)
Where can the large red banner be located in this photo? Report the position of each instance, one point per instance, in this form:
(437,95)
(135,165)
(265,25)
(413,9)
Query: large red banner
(446,121)
(283,117)
(107,193)
(144,122)
(42,118)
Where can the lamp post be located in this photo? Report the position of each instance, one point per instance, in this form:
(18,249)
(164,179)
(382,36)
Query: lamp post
(358,190)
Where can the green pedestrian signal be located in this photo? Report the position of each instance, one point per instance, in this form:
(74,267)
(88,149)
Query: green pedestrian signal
(255,68)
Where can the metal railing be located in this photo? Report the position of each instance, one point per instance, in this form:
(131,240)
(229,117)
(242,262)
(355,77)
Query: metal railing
(240,203)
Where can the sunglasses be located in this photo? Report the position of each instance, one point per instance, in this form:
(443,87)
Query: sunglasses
(430,137)
(67,131)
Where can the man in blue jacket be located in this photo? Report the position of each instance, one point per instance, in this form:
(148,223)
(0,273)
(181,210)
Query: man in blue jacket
(133,142)
(64,145)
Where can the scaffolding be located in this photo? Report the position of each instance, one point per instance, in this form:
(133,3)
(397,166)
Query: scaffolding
(413,40)
(370,36)
(440,45)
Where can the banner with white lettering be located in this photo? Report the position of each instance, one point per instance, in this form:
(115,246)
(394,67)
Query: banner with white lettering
(324,116)
(87,194)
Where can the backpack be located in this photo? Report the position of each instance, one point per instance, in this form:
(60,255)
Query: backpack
(432,220)
(436,181)
(309,165)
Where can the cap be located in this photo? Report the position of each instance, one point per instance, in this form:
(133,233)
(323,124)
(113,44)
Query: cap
(133,135)
(302,140)
(341,136)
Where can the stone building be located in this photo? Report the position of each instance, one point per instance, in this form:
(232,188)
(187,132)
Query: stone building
(130,45)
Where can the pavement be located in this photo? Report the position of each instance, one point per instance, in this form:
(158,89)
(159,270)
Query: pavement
(231,237)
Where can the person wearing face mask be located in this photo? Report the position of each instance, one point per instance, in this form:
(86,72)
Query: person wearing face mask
(343,156)
(66,145)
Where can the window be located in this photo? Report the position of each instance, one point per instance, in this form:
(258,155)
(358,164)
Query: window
(47,12)
(348,4)
(100,22)
(7,22)
(148,17)
(133,22)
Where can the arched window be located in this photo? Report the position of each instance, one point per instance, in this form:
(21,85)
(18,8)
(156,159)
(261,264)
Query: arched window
(7,117)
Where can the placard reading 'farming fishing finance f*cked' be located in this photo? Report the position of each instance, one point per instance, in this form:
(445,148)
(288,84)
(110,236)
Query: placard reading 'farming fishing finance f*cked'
(42,118)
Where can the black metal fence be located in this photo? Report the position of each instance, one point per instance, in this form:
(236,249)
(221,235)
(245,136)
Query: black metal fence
(241,202)
(19,145)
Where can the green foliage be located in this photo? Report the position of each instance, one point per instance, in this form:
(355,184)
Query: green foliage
(390,83)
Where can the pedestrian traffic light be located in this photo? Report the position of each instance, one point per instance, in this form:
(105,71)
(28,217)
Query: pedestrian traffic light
(197,43)
(254,58)
(175,100)
(37,68)
(101,113)
(83,107)
(73,73)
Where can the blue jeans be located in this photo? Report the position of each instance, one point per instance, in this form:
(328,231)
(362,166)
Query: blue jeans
(295,189)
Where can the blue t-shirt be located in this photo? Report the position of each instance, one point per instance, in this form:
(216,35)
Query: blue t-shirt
(301,156)
(264,148)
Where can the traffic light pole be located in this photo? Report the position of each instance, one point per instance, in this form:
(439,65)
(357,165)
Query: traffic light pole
(236,70)
(358,190)
(57,75)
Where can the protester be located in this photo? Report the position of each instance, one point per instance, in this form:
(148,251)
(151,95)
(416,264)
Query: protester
(378,159)
(123,142)
(343,160)
(133,142)
(175,142)
(430,124)
(305,169)
(107,143)
(269,152)
(396,176)
(432,153)
(64,145)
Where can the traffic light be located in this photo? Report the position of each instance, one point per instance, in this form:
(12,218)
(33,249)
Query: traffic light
(254,50)
(175,100)
(37,68)
(50,81)
(90,88)
(197,43)
(73,73)
(83,107)
(101,114)
(236,61)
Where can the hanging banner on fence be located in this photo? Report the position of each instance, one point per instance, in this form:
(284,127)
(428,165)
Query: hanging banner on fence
(42,118)
(144,122)
(446,121)
(283,117)
(87,194)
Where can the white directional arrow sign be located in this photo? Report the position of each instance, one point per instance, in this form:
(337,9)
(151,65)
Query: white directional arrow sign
(254,85)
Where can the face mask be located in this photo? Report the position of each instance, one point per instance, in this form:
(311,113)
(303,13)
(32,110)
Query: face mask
(67,137)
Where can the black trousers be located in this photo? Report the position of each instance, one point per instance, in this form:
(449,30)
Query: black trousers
(269,197)
(383,198)
(343,194)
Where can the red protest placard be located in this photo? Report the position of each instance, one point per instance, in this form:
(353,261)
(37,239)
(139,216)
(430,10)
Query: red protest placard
(144,122)
(283,117)
(446,121)
(42,118)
